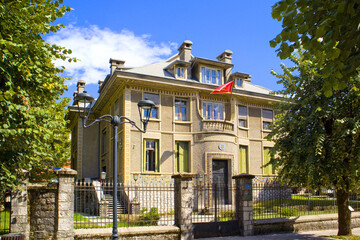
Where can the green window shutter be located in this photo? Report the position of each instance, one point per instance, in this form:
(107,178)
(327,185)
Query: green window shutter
(243,160)
(144,156)
(267,170)
(184,157)
(157,156)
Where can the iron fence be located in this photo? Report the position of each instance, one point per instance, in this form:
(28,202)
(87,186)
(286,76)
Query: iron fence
(138,204)
(5,212)
(273,200)
(213,202)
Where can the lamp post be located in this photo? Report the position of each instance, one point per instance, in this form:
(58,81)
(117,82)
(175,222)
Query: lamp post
(84,104)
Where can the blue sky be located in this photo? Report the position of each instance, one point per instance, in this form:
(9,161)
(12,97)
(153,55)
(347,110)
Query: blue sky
(142,32)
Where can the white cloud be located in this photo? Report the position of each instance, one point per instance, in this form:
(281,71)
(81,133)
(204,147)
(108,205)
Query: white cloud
(94,47)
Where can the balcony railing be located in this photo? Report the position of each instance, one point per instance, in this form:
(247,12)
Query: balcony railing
(217,125)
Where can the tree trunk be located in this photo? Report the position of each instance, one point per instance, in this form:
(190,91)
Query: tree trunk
(344,217)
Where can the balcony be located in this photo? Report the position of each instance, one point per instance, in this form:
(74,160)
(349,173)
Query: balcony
(217,125)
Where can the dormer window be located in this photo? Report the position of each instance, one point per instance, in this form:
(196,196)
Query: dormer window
(239,83)
(180,71)
(210,76)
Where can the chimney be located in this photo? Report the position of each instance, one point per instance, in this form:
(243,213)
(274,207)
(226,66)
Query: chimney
(74,95)
(81,86)
(115,63)
(185,51)
(226,58)
(100,82)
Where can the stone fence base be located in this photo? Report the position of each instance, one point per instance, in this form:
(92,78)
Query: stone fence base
(303,223)
(138,233)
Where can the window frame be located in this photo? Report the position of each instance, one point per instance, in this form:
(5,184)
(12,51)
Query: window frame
(265,121)
(241,81)
(186,106)
(156,108)
(205,117)
(180,72)
(146,163)
(208,77)
(243,118)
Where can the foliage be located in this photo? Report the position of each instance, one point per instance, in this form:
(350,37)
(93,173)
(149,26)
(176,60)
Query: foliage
(327,30)
(316,136)
(33,134)
(149,217)
(226,215)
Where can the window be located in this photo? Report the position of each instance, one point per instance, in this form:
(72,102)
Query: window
(243,116)
(267,116)
(180,72)
(210,76)
(213,111)
(268,170)
(151,155)
(182,157)
(155,110)
(103,141)
(181,110)
(239,83)
(243,160)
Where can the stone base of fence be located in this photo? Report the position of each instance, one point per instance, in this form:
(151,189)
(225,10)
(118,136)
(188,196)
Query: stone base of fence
(140,233)
(303,223)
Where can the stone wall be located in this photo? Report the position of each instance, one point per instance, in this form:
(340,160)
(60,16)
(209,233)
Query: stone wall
(303,223)
(42,209)
(138,233)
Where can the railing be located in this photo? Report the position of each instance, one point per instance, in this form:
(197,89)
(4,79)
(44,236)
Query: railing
(272,200)
(217,125)
(213,202)
(5,206)
(138,205)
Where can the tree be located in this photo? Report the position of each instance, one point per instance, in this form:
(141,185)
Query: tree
(33,134)
(317,138)
(327,30)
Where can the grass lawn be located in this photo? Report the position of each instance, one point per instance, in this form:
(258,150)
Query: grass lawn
(297,205)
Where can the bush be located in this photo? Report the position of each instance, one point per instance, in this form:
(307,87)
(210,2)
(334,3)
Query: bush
(148,218)
(227,215)
(287,212)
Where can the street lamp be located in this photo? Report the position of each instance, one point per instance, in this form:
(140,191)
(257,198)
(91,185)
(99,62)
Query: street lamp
(84,102)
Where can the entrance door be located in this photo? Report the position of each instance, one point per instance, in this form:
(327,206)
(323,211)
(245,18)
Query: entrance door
(220,178)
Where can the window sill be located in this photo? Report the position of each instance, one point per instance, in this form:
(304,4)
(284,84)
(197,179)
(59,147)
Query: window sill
(150,173)
(154,120)
(182,122)
(244,128)
(267,130)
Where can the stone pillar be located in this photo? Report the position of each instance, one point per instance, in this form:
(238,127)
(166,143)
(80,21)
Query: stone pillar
(65,209)
(103,205)
(19,212)
(184,194)
(243,203)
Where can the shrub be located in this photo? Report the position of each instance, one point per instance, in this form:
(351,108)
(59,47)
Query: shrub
(287,212)
(148,218)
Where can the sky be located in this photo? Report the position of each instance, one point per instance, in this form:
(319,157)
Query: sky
(142,32)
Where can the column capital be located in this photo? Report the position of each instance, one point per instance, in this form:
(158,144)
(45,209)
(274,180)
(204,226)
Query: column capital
(65,171)
(243,176)
(184,176)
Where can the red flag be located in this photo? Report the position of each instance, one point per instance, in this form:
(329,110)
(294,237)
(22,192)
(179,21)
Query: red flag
(225,88)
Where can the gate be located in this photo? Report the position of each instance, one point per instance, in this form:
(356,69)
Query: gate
(214,210)
(5,210)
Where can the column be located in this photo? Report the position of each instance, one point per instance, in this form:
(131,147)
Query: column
(65,213)
(243,203)
(19,211)
(184,194)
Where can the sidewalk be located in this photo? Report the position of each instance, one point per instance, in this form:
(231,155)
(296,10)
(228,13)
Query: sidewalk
(288,236)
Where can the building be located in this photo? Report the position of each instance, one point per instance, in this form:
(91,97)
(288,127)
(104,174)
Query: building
(217,135)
